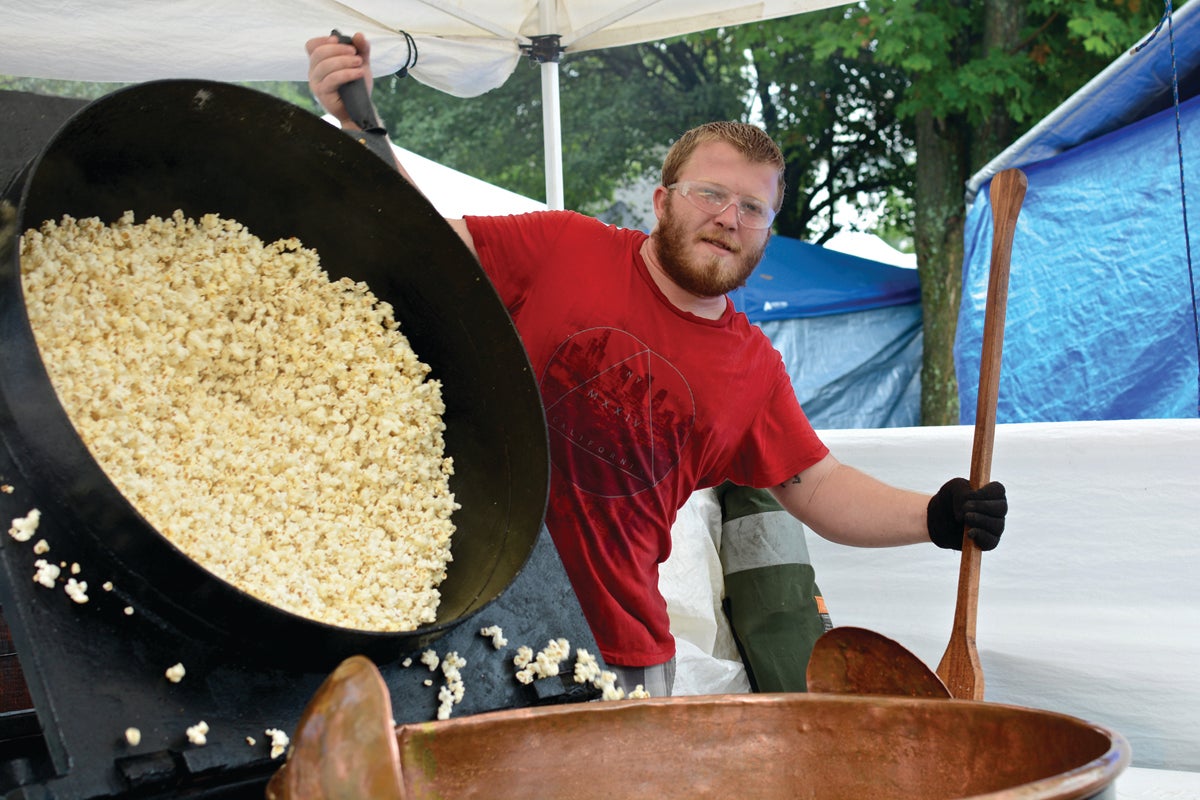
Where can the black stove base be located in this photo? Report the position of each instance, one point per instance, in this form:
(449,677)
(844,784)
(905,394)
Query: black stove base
(93,671)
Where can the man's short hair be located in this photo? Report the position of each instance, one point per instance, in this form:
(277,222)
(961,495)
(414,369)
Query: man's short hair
(750,141)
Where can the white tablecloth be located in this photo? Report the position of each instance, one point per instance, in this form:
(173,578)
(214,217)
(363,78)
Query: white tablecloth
(1090,606)
(1137,783)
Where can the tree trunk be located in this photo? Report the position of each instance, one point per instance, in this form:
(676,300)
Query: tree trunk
(941,173)
(1002,24)
(949,151)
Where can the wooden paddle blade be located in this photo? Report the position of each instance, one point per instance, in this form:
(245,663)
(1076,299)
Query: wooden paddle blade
(960,667)
(345,744)
(848,660)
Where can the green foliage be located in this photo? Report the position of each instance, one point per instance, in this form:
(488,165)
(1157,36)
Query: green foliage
(618,107)
(833,113)
(940,46)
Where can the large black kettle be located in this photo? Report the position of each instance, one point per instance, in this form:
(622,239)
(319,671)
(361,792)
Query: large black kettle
(206,147)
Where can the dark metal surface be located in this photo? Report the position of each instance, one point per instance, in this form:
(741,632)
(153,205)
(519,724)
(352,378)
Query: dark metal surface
(28,121)
(207,147)
(92,670)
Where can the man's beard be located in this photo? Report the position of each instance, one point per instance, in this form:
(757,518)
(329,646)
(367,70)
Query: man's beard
(703,277)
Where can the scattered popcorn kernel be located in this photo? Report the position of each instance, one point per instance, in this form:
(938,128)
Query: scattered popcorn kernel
(609,688)
(430,659)
(453,691)
(6,488)
(198,734)
(175,673)
(496,634)
(133,736)
(107,586)
(22,528)
(250,740)
(42,547)
(543,665)
(279,742)
(46,573)
(128,611)
(587,669)
(523,657)
(77,590)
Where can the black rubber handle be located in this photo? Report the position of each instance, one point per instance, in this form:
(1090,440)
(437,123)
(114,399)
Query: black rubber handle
(357,101)
(362,111)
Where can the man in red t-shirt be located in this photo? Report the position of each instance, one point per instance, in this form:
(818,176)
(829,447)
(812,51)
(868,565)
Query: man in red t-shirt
(654,386)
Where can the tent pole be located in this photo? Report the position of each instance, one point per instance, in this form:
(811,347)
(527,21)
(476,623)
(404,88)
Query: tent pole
(552,135)
(547,52)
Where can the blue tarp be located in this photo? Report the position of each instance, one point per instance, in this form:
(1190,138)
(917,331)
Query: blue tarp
(849,331)
(1100,320)
(797,280)
(861,369)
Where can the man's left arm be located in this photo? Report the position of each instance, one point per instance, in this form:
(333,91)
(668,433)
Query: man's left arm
(847,506)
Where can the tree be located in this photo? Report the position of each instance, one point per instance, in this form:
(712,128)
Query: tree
(978,73)
(835,119)
(620,107)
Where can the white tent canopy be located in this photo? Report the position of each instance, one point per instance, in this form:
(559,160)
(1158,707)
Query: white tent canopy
(463,48)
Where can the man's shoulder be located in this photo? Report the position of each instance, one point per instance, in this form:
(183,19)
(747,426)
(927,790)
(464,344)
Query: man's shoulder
(566,221)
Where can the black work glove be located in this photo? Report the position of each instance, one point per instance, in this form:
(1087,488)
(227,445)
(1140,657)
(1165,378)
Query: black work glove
(957,506)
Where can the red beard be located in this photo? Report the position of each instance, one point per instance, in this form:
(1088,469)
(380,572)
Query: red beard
(704,277)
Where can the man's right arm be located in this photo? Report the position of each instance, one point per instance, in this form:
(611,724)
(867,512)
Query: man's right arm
(331,65)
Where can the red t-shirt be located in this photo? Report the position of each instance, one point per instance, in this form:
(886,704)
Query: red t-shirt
(645,404)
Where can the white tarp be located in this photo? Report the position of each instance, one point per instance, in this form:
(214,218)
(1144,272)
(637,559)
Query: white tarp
(465,47)
(1088,607)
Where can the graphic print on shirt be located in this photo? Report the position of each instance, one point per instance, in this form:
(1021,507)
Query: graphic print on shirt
(618,413)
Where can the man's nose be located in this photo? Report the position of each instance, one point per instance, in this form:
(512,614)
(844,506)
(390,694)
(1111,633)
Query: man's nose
(729,216)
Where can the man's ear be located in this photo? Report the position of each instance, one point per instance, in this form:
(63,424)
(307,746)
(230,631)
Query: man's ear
(660,200)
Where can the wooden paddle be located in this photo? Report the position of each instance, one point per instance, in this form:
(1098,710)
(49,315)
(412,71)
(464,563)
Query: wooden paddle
(849,660)
(959,668)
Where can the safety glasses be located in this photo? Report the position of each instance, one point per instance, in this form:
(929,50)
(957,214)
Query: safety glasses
(713,198)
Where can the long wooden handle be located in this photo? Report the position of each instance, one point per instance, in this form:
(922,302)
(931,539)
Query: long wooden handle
(960,668)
